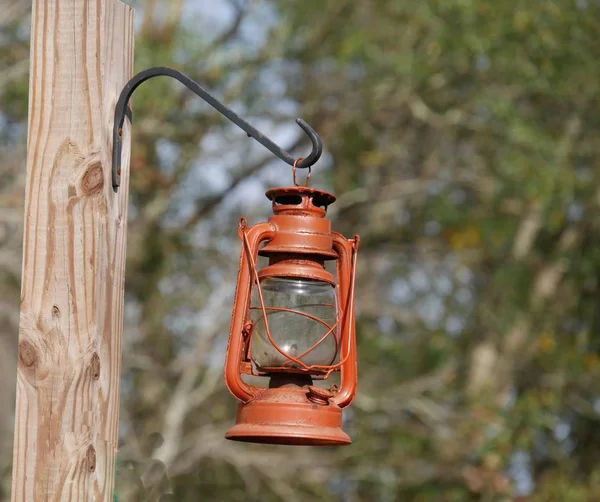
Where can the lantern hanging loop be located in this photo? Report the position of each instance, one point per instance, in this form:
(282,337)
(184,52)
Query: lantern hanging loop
(294,167)
(122,110)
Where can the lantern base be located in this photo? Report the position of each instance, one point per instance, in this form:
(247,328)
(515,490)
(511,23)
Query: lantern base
(286,416)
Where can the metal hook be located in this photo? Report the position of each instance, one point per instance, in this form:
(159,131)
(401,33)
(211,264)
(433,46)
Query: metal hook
(122,110)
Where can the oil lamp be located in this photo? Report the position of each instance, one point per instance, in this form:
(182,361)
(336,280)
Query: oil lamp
(293,320)
(293,323)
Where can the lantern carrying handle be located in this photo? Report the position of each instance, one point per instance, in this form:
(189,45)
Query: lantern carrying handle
(122,110)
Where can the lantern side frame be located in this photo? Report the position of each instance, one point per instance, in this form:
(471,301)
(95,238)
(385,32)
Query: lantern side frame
(347,251)
(237,343)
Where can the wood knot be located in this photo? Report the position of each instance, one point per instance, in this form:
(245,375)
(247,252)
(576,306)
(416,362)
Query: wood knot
(91,458)
(95,364)
(55,312)
(27,354)
(92,180)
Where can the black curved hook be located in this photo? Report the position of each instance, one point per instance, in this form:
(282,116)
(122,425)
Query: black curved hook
(121,111)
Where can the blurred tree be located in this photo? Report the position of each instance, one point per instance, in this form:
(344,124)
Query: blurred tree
(462,138)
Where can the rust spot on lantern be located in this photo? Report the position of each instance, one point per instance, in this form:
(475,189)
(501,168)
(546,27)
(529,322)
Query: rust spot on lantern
(293,322)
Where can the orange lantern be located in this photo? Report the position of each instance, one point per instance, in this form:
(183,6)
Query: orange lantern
(293,322)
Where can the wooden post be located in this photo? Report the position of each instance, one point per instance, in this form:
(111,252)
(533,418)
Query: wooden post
(74,255)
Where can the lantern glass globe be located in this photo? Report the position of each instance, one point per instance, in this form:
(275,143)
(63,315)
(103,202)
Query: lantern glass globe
(299,314)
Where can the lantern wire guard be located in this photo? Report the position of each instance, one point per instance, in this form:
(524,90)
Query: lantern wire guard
(326,370)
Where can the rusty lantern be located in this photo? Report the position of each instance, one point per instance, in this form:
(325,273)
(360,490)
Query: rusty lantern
(293,322)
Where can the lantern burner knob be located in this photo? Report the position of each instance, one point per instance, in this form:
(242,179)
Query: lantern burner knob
(319,395)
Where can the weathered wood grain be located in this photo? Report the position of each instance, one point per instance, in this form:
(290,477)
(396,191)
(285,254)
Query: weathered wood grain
(74,255)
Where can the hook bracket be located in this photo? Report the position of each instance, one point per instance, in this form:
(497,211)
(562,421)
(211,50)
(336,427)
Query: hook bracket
(122,110)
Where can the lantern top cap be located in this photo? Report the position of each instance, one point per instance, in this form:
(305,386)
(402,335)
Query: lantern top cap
(326,197)
(298,200)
